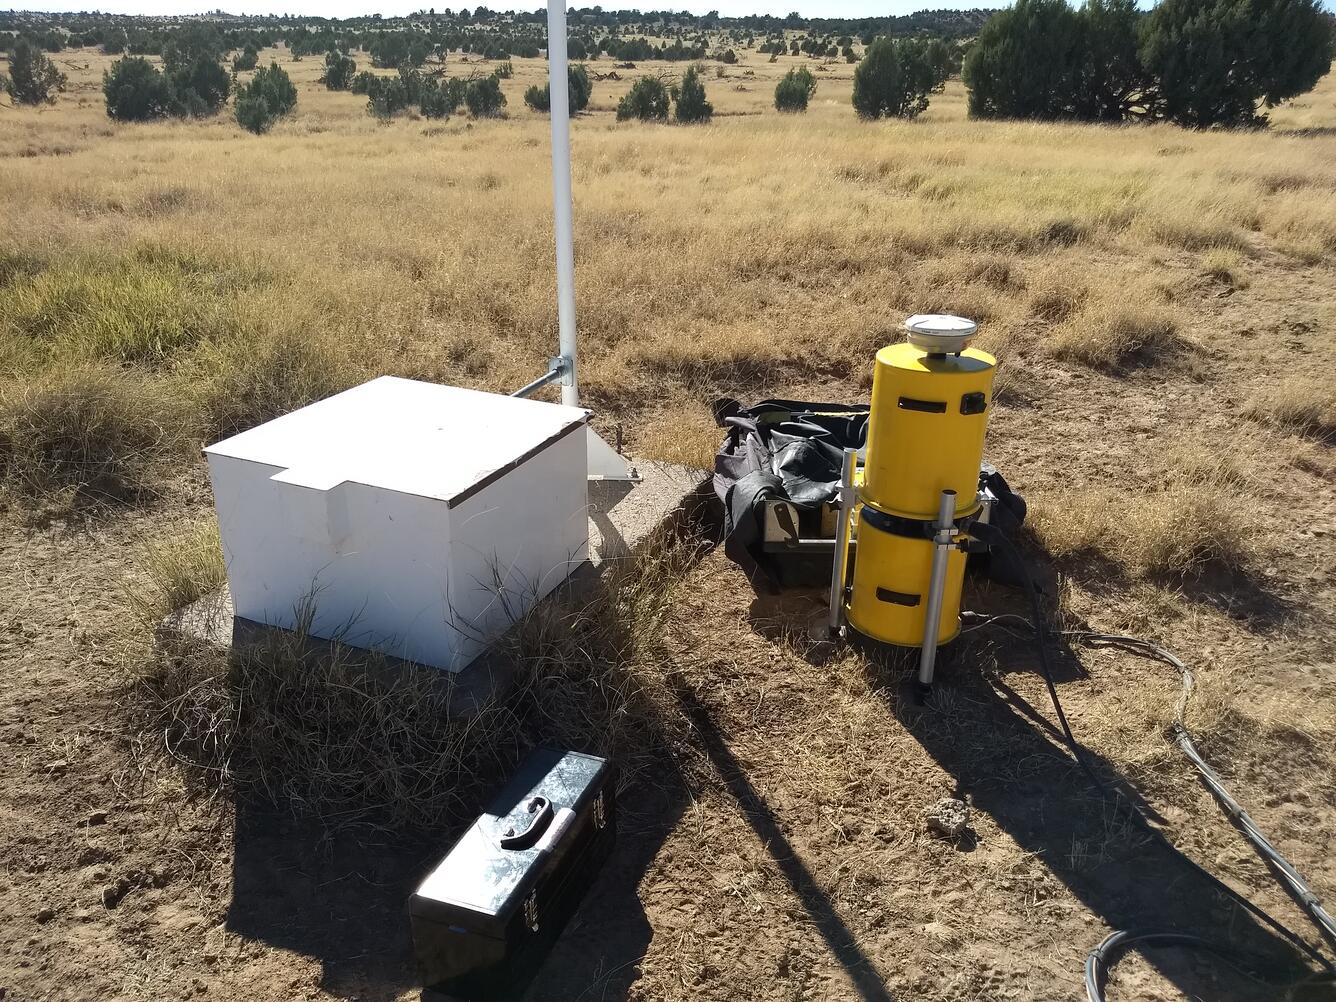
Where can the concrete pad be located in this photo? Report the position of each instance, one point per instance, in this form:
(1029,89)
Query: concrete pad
(623,518)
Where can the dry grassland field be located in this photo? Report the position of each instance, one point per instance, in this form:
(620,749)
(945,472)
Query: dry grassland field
(1163,304)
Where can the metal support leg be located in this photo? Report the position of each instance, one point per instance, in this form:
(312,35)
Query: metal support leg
(841,561)
(942,541)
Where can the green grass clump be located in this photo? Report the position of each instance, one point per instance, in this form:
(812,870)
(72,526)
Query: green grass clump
(142,308)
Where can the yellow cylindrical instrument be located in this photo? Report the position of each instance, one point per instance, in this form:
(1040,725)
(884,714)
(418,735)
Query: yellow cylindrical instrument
(930,402)
(889,599)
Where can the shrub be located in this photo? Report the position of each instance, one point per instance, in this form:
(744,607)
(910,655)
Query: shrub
(484,97)
(1216,61)
(1199,63)
(579,87)
(690,98)
(269,95)
(540,98)
(1109,79)
(137,91)
(340,70)
(438,100)
(1023,63)
(893,79)
(938,56)
(247,60)
(1041,59)
(795,89)
(647,100)
(192,60)
(363,82)
(399,48)
(504,71)
(33,78)
(253,114)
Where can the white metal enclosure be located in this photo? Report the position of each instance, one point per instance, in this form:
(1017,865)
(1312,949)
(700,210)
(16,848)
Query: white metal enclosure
(406,517)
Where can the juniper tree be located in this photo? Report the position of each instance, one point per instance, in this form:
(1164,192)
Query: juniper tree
(689,95)
(33,78)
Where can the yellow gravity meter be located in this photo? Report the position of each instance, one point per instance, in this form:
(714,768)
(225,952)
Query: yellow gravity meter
(930,402)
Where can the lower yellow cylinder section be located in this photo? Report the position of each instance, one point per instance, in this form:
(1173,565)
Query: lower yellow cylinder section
(889,597)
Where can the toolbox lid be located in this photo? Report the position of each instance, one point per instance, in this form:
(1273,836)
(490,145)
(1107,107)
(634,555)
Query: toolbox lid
(480,884)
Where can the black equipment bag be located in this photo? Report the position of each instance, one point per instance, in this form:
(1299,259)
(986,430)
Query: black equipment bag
(486,917)
(793,450)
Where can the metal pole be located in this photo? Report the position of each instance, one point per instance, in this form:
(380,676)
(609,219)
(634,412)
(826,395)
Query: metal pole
(942,542)
(841,562)
(559,104)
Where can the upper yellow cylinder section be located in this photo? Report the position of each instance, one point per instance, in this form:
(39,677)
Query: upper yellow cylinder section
(926,429)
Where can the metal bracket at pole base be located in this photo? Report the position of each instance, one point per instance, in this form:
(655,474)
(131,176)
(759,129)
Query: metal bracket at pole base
(558,369)
(942,542)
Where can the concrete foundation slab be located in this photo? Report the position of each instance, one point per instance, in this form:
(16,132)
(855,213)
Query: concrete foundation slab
(623,518)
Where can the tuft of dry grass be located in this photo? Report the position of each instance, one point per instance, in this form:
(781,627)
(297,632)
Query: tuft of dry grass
(1225,265)
(238,383)
(140,308)
(1117,333)
(179,570)
(687,436)
(343,735)
(1304,404)
(1196,515)
(95,431)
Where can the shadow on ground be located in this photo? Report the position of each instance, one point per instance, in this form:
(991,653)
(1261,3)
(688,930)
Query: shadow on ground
(342,900)
(1010,762)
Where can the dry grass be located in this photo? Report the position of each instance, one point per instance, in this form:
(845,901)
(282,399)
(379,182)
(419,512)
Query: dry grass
(1113,326)
(760,255)
(326,731)
(1196,513)
(179,570)
(1226,266)
(91,432)
(244,276)
(1304,404)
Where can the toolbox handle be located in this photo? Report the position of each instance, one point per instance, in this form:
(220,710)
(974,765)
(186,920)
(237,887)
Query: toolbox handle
(541,810)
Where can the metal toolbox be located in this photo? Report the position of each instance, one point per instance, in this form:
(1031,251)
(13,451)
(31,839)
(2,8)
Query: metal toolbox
(485,918)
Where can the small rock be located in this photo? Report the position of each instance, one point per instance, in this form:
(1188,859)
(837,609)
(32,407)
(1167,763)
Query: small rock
(949,817)
(96,818)
(45,915)
(59,765)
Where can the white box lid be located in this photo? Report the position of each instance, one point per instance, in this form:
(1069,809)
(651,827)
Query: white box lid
(403,435)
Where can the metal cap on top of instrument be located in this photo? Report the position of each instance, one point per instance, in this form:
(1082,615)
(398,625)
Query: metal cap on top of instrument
(930,401)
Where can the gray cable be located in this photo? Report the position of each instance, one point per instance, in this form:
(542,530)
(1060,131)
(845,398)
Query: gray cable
(1099,959)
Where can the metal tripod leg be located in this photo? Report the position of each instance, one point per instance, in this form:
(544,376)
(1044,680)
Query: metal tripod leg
(942,540)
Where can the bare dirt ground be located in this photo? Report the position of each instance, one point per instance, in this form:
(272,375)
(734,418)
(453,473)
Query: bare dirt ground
(792,863)
(780,852)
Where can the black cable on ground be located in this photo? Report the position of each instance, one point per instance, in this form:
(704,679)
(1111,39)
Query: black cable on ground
(992,536)
(1100,959)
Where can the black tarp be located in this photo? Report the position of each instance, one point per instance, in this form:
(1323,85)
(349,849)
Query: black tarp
(792,450)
